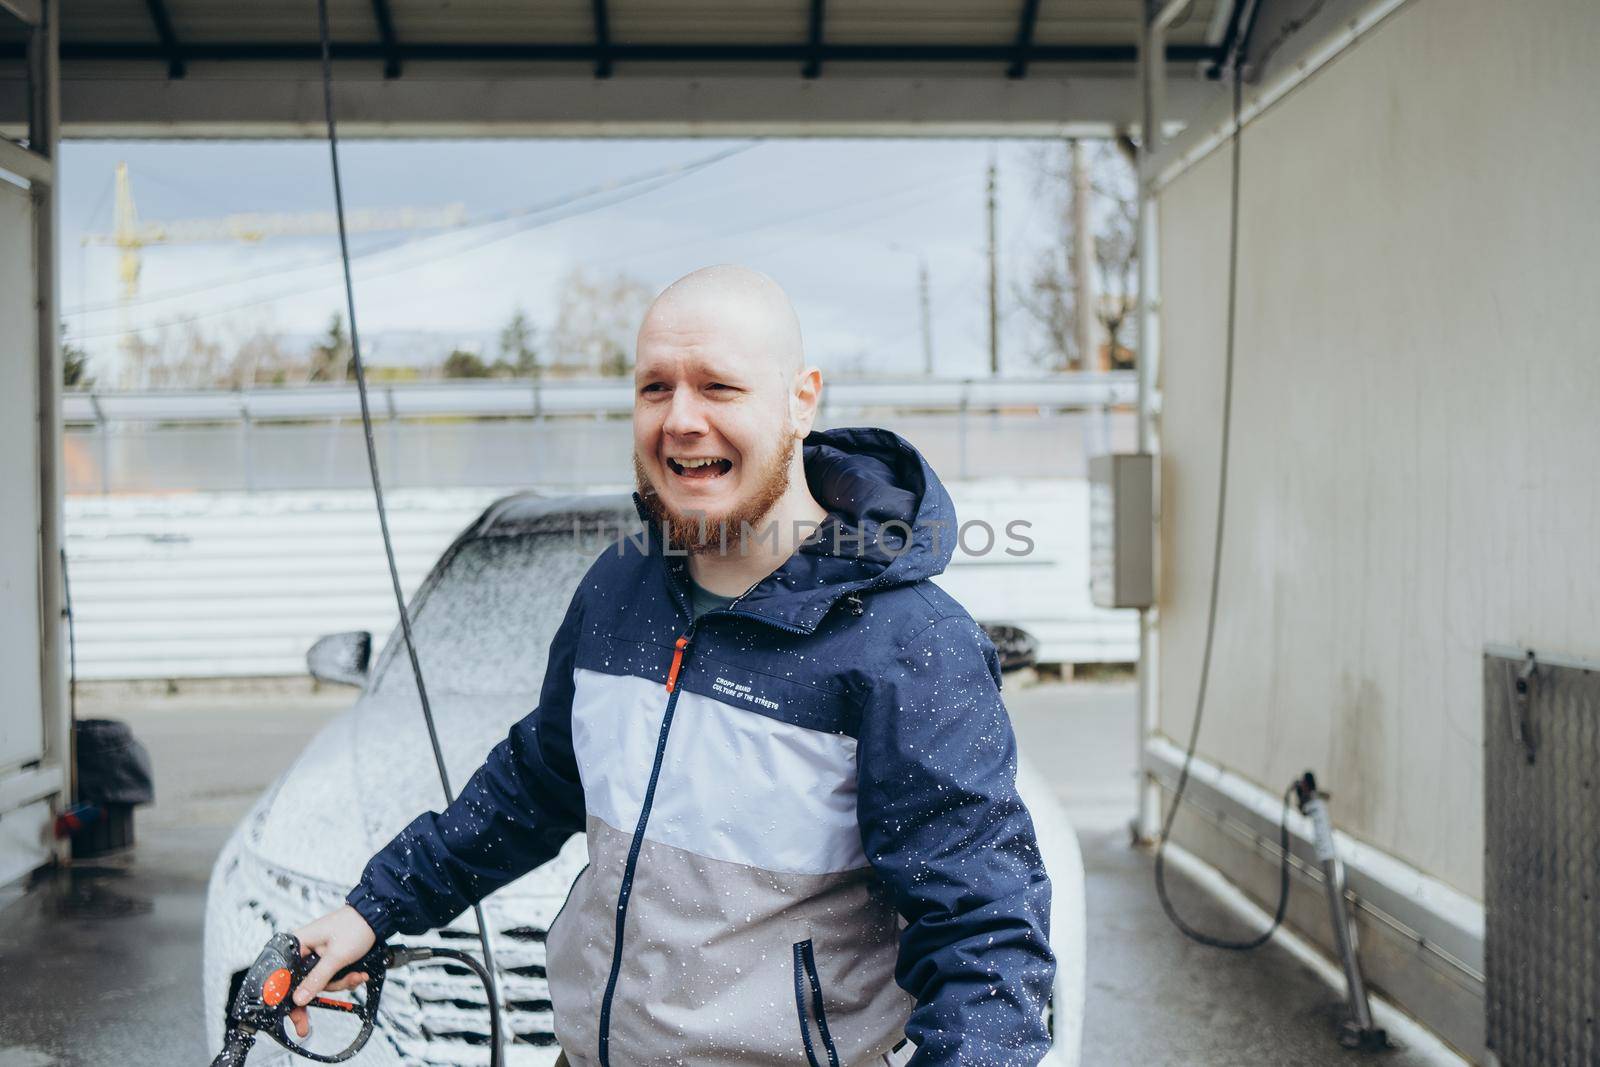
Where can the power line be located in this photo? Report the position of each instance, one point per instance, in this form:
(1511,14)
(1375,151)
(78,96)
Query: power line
(523,227)
(496,218)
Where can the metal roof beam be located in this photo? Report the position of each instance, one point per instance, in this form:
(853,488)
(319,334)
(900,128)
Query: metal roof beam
(689,53)
(391,44)
(602,40)
(28,12)
(813,67)
(171,51)
(268,100)
(1025,25)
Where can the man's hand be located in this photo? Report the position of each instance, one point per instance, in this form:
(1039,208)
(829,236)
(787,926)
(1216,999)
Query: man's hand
(340,938)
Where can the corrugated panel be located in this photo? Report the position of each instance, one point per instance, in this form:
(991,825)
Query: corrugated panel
(677,22)
(450,22)
(240,584)
(1542,860)
(230,584)
(631,21)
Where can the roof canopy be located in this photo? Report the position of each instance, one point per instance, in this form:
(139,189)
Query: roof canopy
(618,67)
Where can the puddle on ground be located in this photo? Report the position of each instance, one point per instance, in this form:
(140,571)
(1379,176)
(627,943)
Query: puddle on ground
(17,1056)
(91,892)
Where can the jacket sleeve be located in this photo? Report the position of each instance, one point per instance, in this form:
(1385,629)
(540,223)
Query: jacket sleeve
(514,814)
(943,825)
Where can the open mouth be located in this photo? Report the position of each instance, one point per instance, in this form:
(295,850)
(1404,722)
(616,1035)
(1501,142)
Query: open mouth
(699,468)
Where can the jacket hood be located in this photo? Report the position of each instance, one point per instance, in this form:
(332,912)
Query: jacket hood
(890,522)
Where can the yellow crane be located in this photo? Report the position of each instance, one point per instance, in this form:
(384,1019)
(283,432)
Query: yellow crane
(131,236)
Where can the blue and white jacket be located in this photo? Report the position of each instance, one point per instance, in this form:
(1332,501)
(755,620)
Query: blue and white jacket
(804,833)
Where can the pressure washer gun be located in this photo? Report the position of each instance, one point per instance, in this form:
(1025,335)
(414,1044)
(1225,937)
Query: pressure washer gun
(266,996)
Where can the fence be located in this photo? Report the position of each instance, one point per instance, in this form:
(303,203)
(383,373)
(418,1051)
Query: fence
(567,436)
(219,534)
(240,584)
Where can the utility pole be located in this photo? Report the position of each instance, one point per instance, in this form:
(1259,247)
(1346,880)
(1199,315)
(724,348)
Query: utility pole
(994,282)
(927,316)
(1082,260)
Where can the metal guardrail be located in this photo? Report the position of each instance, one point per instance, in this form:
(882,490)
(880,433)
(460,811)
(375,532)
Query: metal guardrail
(600,397)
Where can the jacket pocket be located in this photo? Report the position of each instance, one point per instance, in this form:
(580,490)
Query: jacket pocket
(808,1003)
(571,889)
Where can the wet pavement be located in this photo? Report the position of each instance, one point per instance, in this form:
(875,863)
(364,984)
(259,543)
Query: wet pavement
(1154,998)
(101,962)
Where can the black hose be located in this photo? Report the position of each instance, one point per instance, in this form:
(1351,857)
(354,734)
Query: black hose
(486,974)
(488,990)
(72,645)
(1211,607)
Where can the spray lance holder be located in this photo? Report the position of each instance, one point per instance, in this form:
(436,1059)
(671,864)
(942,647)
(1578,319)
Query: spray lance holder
(1357,1031)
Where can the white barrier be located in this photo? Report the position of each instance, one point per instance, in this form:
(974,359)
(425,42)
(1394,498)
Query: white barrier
(238,584)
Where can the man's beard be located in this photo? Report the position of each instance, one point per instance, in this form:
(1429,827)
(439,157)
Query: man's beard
(697,532)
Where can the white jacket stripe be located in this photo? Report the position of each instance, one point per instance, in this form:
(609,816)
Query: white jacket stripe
(728,783)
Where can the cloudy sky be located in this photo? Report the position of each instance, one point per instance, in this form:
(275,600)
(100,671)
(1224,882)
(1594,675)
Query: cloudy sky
(839,223)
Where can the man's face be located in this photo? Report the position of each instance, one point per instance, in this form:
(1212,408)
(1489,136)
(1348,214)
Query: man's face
(712,432)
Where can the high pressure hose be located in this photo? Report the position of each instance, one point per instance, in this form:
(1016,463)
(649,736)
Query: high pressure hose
(1235,69)
(486,973)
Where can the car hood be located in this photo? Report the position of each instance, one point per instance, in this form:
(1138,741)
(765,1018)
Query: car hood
(367,774)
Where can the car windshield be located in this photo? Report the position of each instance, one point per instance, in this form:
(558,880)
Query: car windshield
(484,628)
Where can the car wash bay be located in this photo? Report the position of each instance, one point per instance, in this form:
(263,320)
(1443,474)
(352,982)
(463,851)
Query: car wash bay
(1413,481)
(119,940)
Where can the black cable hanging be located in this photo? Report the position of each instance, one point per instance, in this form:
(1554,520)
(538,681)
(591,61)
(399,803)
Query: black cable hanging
(1187,930)
(491,985)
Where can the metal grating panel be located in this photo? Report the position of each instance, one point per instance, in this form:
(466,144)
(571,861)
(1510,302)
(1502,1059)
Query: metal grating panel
(1542,859)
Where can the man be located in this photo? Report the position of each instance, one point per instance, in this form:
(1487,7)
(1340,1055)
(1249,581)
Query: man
(785,744)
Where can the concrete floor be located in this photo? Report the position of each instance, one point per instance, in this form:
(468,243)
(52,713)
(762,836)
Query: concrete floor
(1155,998)
(108,953)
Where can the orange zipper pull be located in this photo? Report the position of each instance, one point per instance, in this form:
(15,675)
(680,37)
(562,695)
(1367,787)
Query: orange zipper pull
(677,662)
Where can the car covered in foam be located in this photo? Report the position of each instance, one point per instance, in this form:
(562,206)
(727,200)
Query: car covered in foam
(483,619)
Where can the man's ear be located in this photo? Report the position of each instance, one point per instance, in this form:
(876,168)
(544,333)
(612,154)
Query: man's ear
(804,400)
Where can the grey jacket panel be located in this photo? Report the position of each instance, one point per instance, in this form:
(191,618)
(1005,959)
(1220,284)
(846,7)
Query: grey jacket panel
(711,952)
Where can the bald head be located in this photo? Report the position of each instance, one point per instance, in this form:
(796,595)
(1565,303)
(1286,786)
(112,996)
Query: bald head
(735,302)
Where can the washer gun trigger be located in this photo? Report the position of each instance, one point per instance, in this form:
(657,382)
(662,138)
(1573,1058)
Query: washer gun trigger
(266,996)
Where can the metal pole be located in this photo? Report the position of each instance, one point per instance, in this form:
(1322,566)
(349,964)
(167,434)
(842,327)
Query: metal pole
(961,427)
(1152,80)
(244,445)
(994,282)
(103,439)
(927,316)
(1082,260)
(44,128)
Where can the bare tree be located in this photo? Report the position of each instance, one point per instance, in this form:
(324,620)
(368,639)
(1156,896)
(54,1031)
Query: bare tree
(174,360)
(596,323)
(1046,295)
(261,359)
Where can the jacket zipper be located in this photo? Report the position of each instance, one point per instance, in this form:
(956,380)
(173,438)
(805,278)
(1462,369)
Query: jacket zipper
(680,650)
(805,972)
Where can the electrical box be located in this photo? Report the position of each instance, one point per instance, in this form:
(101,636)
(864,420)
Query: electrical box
(1121,546)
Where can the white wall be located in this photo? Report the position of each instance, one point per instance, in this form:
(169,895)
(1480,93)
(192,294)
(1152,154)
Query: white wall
(1416,416)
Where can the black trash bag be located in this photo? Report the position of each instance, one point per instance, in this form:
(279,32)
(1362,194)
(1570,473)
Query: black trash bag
(113,766)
